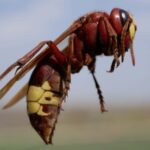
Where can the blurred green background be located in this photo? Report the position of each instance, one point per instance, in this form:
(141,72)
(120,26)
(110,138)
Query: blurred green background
(83,128)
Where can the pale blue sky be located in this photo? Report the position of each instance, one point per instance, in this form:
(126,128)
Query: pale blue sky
(24,23)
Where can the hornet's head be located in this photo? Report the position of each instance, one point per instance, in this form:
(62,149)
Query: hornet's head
(125,28)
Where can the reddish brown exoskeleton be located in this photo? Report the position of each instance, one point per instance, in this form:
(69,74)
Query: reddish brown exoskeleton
(91,35)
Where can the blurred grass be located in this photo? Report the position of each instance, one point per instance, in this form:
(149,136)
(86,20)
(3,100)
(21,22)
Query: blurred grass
(119,129)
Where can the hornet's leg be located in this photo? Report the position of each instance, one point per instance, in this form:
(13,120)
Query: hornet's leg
(22,92)
(73,52)
(29,56)
(35,60)
(69,54)
(25,59)
(101,98)
(91,68)
(112,39)
(51,50)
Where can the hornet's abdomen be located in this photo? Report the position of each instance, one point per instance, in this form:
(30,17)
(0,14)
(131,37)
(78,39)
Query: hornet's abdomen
(44,98)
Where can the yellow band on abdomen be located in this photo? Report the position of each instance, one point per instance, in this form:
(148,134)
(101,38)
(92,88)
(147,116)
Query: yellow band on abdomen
(39,96)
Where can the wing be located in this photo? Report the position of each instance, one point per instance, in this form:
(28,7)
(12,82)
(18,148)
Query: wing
(17,97)
(29,65)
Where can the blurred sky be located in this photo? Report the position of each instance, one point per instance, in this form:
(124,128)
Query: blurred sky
(24,23)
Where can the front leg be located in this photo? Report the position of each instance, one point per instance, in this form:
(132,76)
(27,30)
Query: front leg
(109,37)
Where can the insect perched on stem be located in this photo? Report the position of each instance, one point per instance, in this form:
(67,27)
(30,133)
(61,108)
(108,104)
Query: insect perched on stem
(91,35)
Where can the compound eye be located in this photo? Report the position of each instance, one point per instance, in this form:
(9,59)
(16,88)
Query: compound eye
(123,16)
(118,19)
